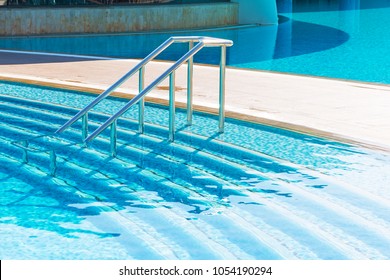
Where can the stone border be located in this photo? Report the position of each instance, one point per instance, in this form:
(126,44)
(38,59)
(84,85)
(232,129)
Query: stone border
(112,19)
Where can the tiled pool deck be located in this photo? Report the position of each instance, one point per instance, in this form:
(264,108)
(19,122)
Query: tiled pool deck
(350,111)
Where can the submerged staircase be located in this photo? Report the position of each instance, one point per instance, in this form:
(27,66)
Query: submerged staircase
(43,143)
(275,208)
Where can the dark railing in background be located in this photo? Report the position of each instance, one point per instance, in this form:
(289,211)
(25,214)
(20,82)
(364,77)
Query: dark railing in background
(16,3)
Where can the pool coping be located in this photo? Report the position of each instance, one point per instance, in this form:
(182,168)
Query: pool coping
(203,101)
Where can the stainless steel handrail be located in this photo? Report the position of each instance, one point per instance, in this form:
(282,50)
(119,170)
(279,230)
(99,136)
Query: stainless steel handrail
(135,99)
(118,83)
(202,42)
(129,74)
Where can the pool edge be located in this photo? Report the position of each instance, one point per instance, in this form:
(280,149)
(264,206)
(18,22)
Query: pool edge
(230,113)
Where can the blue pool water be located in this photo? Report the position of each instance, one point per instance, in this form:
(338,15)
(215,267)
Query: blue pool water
(344,39)
(254,192)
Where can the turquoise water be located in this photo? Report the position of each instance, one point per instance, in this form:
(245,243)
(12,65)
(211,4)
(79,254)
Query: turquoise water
(338,39)
(254,192)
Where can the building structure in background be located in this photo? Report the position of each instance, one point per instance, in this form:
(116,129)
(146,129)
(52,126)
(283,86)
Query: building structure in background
(45,17)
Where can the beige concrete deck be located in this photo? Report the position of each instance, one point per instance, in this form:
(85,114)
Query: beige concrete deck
(349,111)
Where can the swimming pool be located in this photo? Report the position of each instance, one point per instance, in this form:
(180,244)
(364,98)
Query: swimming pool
(273,194)
(339,39)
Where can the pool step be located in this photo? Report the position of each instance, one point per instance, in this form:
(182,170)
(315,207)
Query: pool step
(237,174)
(93,166)
(151,145)
(101,195)
(137,234)
(279,197)
(206,187)
(284,171)
(250,217)
(264,163)
(140,157)
(267,189)
(216,147)
(191,141)
(151,226)
(198,208)
(187,176)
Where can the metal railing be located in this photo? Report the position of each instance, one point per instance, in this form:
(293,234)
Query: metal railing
(78,3)
(139,98)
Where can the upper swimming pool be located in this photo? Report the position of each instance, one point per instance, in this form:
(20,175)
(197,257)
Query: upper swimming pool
(347,40)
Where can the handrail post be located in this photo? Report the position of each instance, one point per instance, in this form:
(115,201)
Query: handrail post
(172,106)
(84,132)
(190,75)
(222,76)
(113,138)
(141,104)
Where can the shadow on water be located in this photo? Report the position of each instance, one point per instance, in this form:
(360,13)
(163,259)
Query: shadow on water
(251,44)
(298,38)
(13,58)
(333,5)
(44,206)
(52,203)
(61,204)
